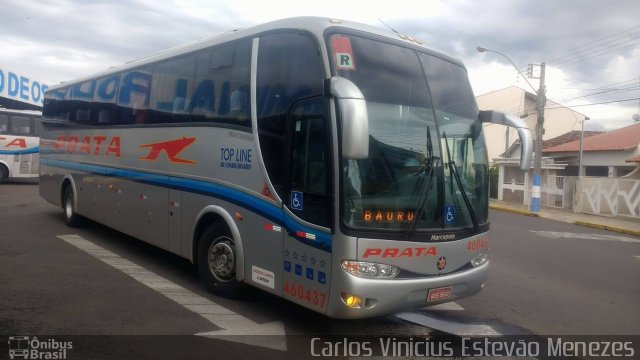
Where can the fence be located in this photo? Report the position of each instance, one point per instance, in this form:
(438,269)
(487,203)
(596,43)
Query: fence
(609,196)
(555,191)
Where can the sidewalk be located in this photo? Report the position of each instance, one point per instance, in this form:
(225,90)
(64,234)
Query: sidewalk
(619,225)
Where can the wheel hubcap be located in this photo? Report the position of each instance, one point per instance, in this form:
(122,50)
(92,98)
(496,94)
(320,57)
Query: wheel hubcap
(222,260)
(68,208)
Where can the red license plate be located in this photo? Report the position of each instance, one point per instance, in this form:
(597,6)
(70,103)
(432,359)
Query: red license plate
(440,293)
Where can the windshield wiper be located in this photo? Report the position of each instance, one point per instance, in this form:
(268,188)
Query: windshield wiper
(454,171)
(430,165)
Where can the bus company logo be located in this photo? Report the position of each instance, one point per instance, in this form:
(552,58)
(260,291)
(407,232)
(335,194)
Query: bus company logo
(442,263)
(171,148)
(24,347)
(398,253)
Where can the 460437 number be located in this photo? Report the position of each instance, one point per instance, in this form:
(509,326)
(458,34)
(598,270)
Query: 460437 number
(298,291)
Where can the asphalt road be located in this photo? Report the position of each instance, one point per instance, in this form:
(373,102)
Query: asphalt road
(578,282)
(554,278)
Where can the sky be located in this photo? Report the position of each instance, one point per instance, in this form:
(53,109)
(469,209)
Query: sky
(591,47)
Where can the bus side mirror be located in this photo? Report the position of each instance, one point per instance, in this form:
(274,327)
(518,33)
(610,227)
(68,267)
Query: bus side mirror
(495,117)
(355,121)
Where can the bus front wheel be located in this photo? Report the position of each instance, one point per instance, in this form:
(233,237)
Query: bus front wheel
(217,260)
(4,173)
(69,210)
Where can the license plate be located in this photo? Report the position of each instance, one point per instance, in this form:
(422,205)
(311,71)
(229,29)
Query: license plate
(440,293)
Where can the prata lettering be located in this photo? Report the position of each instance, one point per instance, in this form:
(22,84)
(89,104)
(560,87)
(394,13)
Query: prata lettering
(397,253)
(89,145)
(17,142)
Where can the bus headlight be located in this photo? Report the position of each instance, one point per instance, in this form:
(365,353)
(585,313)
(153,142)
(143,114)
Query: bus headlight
(370,270)
(480,259)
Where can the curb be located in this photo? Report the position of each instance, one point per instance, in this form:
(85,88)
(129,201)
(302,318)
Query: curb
(517,211)
(607,227)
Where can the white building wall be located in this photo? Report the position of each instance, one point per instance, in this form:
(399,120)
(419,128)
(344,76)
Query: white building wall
(602,158)
(514,100)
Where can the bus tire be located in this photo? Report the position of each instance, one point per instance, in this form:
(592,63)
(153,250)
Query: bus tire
(4,173)
(217,260)
(71,217)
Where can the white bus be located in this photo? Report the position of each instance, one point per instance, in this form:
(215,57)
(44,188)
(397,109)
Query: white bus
(334,164)
(19,144)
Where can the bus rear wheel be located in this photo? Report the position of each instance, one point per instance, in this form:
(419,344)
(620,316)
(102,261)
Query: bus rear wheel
(69,210)
(217,260)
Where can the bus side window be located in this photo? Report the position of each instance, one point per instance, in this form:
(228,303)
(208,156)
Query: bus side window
(289,69)
(21,125)
(133,97)
(4,124)
(37,126)
(172,84)
(310,161)
(62,106)
(222,85)
(103,104)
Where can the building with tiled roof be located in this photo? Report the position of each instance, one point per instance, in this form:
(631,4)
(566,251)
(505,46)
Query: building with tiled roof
(567,138)
(611,154)
(513,100)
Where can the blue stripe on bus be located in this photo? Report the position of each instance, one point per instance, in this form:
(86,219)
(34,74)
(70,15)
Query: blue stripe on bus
(264,208)
(33,150)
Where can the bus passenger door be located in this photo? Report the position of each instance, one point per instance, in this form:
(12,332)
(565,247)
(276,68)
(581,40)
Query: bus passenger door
(293,138)
(309,158)
(307,248)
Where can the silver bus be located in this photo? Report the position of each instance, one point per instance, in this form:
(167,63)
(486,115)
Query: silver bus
(19,144)
(334,164)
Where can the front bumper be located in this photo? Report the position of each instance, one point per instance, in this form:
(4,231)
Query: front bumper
(381,297)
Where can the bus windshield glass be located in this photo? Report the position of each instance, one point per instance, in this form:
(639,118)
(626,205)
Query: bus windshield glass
(427,164)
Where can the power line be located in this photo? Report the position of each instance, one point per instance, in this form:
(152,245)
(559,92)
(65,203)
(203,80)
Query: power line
(592,104)
(561,106)
(604,90)
(569,57)
(604,51)
(584,47)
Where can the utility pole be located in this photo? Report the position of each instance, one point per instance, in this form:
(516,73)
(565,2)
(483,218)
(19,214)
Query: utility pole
(581,141)
(542,100)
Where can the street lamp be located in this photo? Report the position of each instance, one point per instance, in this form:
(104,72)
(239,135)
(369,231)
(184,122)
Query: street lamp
(535,189)
(581,141)
(481,49)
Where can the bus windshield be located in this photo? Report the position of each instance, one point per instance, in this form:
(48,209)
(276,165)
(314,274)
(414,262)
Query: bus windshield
(427,164)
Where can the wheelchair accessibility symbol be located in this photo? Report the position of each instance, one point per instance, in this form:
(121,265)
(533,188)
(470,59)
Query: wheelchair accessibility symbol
(449,214)
(296,200)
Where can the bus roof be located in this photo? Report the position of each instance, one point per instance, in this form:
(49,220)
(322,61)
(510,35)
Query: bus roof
(314,25)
